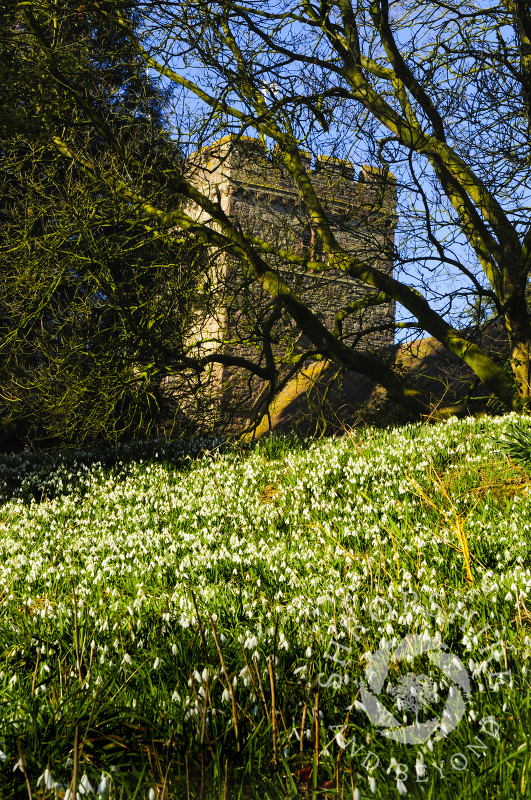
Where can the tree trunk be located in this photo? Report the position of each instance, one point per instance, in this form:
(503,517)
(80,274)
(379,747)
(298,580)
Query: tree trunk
(519,334)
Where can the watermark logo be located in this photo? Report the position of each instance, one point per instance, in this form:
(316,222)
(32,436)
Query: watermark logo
(415,693)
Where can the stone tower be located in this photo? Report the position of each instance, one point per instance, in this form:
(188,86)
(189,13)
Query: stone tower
(255,190)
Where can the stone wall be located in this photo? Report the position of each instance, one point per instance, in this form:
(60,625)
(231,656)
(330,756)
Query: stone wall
(254,189)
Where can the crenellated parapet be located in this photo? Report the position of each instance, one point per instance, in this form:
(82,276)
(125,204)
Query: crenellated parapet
(234,165)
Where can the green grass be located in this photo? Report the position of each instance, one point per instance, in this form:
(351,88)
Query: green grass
(196,619)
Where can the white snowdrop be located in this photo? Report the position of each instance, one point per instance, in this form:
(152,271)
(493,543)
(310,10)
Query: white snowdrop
(46,778)
(104,786)
(85,786)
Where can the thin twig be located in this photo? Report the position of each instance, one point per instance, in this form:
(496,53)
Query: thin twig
(273,709)
(23,766)
(76,636)
(302,732)
(316,720)
(168,764)
(255,687)
(226,782)
(262,693)
(229,685)
(76,763)
(201,626)
(204,733)
(34,681)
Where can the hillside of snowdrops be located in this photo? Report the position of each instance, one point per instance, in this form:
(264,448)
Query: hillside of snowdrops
(197,619)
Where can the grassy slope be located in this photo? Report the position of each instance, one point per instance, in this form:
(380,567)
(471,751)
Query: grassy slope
(152,605)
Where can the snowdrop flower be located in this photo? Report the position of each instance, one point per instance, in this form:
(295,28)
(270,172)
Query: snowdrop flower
(85,786)
(341,741)
(48,780)
(104,787)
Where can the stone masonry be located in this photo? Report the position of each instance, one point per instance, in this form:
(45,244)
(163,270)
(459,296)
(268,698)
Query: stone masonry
(255,190)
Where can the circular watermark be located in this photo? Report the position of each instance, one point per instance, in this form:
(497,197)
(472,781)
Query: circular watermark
(414,692)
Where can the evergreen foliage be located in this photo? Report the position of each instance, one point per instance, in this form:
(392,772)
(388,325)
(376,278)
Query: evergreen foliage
(87,321)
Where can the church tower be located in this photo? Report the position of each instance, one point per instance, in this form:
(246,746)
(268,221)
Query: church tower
(256,191)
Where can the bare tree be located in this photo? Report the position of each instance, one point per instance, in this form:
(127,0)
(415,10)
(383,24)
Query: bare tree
(436,93)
